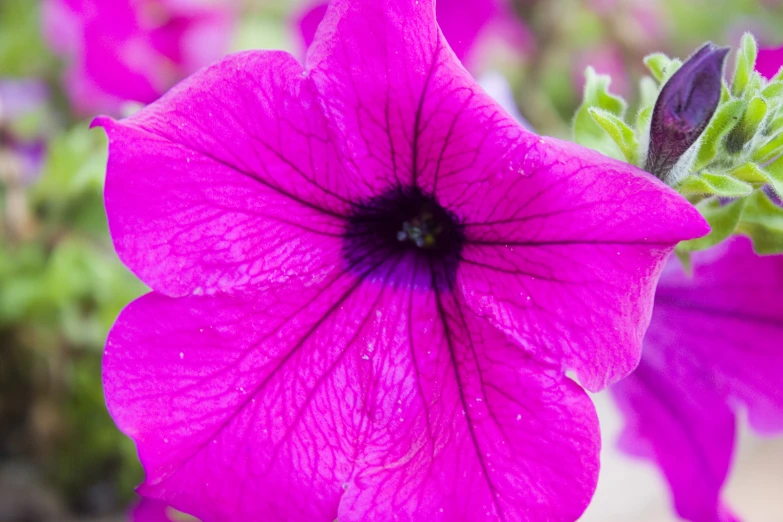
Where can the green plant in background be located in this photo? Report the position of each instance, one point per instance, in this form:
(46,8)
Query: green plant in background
(61,287)
(731,169)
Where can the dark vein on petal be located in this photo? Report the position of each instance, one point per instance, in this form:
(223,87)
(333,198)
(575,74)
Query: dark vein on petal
(301,410)
(419,110)
(415,360)
(248,175)
(458,377)
(238,409)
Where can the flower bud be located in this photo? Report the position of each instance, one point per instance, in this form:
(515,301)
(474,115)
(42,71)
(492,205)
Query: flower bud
(684,108)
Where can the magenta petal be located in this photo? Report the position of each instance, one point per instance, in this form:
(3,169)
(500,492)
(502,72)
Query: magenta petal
(714,341)
(730,318)
(150,510)
(310,20)
(675,418)
(227,181)
(564,245)
(769,62)
(461,21)
(484,432)
(361,399)
(241,410)
(564,251)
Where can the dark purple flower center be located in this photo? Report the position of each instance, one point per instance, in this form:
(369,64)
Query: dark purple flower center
(404,222)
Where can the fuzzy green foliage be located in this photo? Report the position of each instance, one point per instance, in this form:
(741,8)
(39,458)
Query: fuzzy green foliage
(61,287)
(738,156)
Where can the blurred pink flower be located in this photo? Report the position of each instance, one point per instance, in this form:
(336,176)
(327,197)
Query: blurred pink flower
(19,99)
(463,22)
(714,343)
(769,62)
(132,50)
(368,283)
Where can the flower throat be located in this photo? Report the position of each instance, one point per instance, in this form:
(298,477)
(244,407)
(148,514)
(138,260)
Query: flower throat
(404,222)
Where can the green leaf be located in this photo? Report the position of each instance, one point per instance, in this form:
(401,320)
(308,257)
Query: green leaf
(770,150)
(714,184)
(746,61)
(648,92)
(673,67)
(772,90)
(596,95)
(762,221)
(749,172)
(774,173)
(724,120)
(657,63)
(617,129)
(723,220)
(774,126)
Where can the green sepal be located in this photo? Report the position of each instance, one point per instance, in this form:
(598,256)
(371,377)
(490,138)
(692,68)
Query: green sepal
(744,131)
(657,64)
(617,129)
(723,220)
(746,61)
(772,174)
(774,126)
(596,95)
(706,183)
(725,119)
(673,67)
(762,221)
(770,150)
(773,90)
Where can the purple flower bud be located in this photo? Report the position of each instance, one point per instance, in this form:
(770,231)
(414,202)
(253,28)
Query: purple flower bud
(684,108)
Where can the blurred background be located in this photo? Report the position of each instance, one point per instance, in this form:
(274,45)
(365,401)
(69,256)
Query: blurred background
(64,61)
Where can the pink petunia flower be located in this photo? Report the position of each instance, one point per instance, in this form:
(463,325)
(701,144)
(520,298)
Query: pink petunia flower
(368,283)
(714,342)
(463,22)
(132,50)
(769,62)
